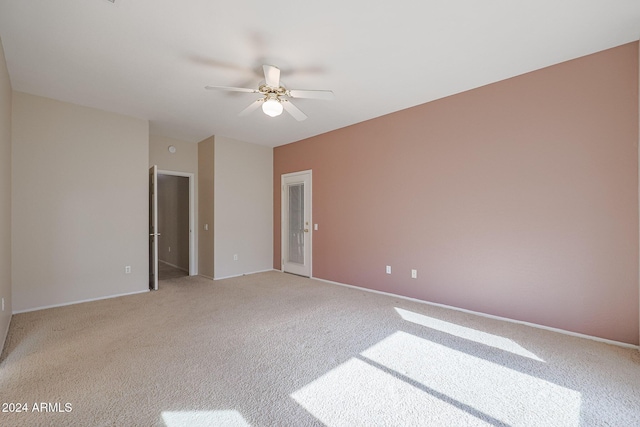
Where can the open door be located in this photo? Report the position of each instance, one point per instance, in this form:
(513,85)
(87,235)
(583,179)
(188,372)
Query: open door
(153,228)
(296,223)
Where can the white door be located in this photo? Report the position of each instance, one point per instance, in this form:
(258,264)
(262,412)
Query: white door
(153,228)
(296,223)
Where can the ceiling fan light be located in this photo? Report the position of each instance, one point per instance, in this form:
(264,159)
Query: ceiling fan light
(272,107)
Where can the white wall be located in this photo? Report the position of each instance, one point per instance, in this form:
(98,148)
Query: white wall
(205,207)
(243,203)
(185,159)
(80,203)
(5,197)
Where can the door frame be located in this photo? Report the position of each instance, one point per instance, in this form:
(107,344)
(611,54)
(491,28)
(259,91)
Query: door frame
(193,256)
(282,217)
(153,228)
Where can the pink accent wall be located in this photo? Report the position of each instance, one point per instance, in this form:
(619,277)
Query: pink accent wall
(517,199)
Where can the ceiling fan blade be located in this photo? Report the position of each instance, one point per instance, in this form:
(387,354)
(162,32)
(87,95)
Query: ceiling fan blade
(311,94)
(251,108)
(272,76)
(232,89)
(293,110)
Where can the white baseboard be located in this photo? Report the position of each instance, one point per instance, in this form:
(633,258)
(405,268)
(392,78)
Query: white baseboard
(244,274)
(490,316)
(78,302)
(186,270)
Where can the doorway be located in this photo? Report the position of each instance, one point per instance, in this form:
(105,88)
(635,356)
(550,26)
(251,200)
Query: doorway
(176,215)
(173,223)
(173,251)
(296,223)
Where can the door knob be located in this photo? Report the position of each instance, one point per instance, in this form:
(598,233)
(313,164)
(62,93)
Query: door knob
(306,230)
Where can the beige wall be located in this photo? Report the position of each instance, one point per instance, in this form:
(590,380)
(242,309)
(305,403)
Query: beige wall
(205,207)
(5,196)
(173,220)
(243,207)
(185,159)
(517,199)
(80,203)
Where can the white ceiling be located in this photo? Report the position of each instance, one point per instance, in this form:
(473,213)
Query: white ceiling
(152,58)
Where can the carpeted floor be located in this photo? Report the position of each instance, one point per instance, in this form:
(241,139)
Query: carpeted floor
(167,272)
(273,349)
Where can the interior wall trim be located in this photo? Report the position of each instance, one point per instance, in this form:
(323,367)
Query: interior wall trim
(243,274)
(490,316)
(78,302)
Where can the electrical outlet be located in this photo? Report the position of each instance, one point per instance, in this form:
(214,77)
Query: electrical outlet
(388,269)
(2,304)
(235,257)
(414,274)
(169,248)
(127,269)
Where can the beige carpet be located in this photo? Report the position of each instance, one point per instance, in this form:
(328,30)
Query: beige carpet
(278,350)
(166,272)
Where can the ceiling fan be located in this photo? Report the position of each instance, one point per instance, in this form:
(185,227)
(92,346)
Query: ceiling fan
(275,97)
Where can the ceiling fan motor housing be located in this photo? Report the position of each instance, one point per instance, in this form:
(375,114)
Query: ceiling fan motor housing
(266,90)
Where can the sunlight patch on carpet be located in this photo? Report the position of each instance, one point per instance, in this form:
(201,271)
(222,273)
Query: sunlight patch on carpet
(356,393)
(502,392)
(470,334)
(228,418)
(408,380)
